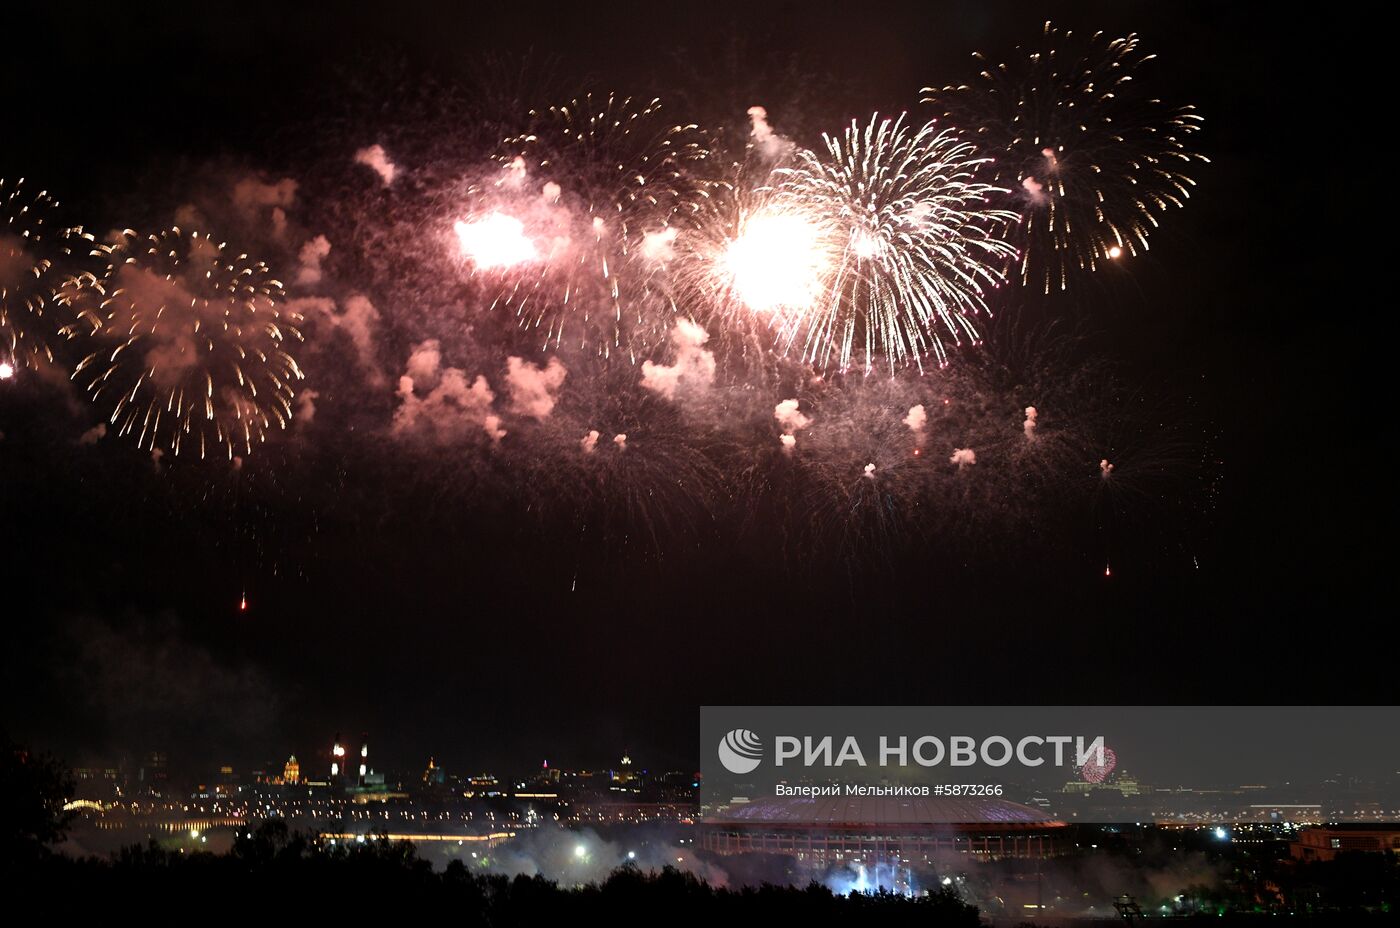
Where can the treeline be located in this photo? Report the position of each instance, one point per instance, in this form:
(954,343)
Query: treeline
(273,863)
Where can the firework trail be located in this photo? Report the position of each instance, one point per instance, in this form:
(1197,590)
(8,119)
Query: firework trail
(188,344)
(1092,162)
(31,251)
(916,244)
(580,219)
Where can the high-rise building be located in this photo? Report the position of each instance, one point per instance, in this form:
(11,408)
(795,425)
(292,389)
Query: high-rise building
(154,773)
(291,772)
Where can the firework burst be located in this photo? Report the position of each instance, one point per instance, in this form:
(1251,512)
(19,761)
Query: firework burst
(915,243)
(189,344)
(1091,161)
(749,258)
(581,219)
(31,248)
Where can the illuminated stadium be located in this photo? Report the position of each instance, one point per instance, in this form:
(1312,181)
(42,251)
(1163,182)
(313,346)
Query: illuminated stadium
(833,830)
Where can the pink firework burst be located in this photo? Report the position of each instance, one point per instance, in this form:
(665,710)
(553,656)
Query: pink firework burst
(1095,772)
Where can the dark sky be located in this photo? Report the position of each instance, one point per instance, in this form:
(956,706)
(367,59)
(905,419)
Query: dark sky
(488,642)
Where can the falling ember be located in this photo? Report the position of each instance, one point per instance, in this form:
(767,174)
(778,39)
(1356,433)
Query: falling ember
(497,241)
(1115,252)
(243,603)
(777,261)
(1107,570)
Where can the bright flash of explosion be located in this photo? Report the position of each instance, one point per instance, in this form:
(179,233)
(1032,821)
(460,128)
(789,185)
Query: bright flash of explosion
(495,241)
(778,261)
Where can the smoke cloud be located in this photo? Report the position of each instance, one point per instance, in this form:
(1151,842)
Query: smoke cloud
(790,420)
(309,260)
(532,389)
(377,160)
(772,145)
(659,246)
(694,367)
(357,318)
(963,457)
(251,197)
(439,404)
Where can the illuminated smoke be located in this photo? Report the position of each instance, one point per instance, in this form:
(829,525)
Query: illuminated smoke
(1035,190)
(769,143)
(694,366)
(375,158)
(1105,468)
(251,197)
(589,442)
(620,440)
(963,457)
(306,406)
(357,317)
(916,420)
(309,260)
(870,471)
(1028,426)
(790,420)
(513,174)
(439,404)
(532,389)
(91,436)
(659,247)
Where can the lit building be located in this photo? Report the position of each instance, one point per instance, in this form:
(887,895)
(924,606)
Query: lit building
(1327,841)
(291,772)
(154,773)
(625,773)
(873,831)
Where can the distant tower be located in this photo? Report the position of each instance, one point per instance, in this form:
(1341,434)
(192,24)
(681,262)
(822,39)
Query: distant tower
(337,759)
(364,759)
(291,773)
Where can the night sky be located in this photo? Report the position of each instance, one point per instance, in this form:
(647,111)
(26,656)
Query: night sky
(407,602)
